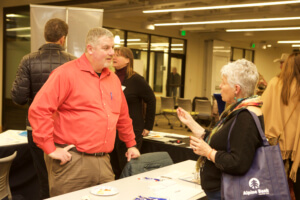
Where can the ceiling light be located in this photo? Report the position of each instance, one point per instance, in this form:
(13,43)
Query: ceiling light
(16,15)
(269,45)
(223,6)
(263,29)
(19,29)
(295,45)
(117,39)
(131,40)
(229,21)
(288,41)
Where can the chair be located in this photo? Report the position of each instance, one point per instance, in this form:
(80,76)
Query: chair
(5,164)
(146,162)
(186,104)
(204,110)
(168,108)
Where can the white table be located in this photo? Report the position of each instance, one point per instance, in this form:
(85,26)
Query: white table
(12,137)
(131,187)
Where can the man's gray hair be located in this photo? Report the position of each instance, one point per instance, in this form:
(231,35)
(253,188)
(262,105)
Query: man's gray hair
(243,73)
(95,33)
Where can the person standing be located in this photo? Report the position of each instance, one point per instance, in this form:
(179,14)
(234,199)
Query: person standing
(175,82)
(281,109)
(75,115)
(137,92)
(239,79)
(33,71)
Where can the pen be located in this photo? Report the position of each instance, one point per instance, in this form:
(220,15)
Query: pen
(111,95)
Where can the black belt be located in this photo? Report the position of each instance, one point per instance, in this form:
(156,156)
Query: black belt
(84,153)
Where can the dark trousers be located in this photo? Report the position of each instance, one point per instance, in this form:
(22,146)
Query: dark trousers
(40,167)
(118,159)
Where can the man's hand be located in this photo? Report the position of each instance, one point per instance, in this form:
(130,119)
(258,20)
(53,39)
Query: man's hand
(145,132)
(132,152)
(62,154)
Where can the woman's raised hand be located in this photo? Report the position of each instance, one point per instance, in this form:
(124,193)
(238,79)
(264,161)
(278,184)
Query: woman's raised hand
(184,116)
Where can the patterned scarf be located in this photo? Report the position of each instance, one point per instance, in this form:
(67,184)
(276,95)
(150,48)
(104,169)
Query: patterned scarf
(227,114)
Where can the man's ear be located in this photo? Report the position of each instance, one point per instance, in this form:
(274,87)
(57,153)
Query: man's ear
(89,49)
(62,40)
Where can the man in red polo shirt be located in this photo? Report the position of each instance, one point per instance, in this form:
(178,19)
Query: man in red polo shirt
(75,115)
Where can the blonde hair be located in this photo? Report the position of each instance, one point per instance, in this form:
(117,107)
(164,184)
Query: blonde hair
(127,53)
(290,71)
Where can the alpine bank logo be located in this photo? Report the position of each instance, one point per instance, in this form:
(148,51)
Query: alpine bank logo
(254,185)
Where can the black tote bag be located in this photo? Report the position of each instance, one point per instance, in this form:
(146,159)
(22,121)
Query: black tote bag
(264,180)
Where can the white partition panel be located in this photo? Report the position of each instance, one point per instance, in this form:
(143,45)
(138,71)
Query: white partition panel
(80,20)
(218,55)
(39,15)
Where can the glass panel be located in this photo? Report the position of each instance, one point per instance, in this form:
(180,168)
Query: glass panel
(177,46)
(249,55)
(159,44)
(137,41)
(237,54)
(175,77)
(140,62)
(158,72)
(119,37)
(17,39)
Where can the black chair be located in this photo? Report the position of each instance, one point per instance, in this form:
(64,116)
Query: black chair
(146,162)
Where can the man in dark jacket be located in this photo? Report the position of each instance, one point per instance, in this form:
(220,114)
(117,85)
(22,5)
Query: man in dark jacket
(33,71)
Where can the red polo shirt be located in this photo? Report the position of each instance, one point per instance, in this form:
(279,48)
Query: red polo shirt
(77,107)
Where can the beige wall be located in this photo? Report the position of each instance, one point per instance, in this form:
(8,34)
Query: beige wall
(194,77)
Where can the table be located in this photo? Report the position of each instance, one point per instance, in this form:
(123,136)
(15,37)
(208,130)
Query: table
(160,141)
(131,187)
(22,177)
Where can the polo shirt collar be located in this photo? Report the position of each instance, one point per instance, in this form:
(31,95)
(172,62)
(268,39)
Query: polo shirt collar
(85,65)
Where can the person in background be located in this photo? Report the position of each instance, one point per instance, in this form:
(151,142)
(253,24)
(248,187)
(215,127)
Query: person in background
(33,71)
(237,88)
(282,59)
(281,110)
(261,85)
(137,93)
(175,81)
(74,118)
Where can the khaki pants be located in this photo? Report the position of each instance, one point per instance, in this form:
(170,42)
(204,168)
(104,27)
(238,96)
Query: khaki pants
(81,172)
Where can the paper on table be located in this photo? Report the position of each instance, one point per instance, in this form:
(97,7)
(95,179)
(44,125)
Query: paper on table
(175,174)
(178,192)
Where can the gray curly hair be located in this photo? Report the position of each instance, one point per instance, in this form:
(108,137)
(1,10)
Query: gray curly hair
(243,73)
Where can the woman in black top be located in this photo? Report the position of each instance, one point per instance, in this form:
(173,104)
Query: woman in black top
(137,93)
(237,88)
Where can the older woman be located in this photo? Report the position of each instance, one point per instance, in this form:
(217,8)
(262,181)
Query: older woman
(137,91)
(237,88)
(282,115)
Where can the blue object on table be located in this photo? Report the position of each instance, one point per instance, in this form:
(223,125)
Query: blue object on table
(149,198)
(24,133)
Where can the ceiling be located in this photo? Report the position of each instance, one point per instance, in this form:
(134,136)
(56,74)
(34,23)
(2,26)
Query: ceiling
(131,11)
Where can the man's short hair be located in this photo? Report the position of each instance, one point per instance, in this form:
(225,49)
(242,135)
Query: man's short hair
(55,29)
(95,33)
